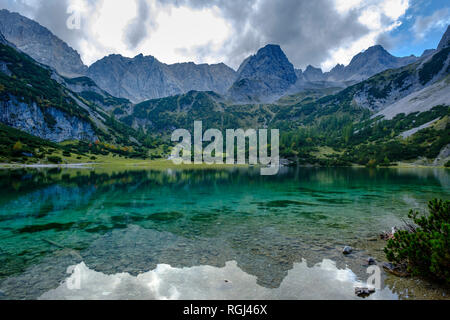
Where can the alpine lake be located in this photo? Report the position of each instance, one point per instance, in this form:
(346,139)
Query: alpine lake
(230,233)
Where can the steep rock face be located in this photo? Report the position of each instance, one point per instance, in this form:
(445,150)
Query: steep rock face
(445,41)
(269,61)
(3,39)
(144,77)
(51,124)
(38,42)
(5,42)
(203,77)
(137,79)
(264,76)
(313,74)
(428,52)
(336,72)
(253,91)
(45,104)
(4,66)
(419,101)
(363,66)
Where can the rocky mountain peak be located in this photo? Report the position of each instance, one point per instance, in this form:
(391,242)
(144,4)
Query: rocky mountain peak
(445,41)
(39,43)
(263,76)
(377,48)
(373,54)
(269,62)
(310,68)
(273,51)
(313,74)
(370,62)
(4,41)
(142,57)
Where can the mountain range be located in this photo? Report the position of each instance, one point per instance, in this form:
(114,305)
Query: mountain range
(127,105)
(263,77)
(144,77)
(137,79)
(366,64)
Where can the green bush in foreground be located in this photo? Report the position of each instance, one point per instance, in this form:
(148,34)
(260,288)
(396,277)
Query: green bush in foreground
(425,248)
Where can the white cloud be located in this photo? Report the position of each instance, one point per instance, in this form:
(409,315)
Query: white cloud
(171,42)
(111,19)
(325,32)
(394,9)
(379,16)
(167,31)
(424,25)
(344,6)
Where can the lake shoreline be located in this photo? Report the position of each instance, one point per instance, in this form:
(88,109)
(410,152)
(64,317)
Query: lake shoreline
(168,164)
(152,164)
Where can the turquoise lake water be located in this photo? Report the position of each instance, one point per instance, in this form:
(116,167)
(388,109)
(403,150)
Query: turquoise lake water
(198,234)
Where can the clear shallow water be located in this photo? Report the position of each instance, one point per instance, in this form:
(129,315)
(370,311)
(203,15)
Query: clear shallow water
(273,234)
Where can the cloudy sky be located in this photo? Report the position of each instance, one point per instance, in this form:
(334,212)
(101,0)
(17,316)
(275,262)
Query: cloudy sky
(322,33)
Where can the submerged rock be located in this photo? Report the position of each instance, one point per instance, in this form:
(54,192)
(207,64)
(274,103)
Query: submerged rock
(347,250)
(364,292)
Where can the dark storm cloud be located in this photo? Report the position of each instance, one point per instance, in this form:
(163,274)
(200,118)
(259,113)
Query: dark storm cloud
(306,30)
(53,15)
(137,29)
